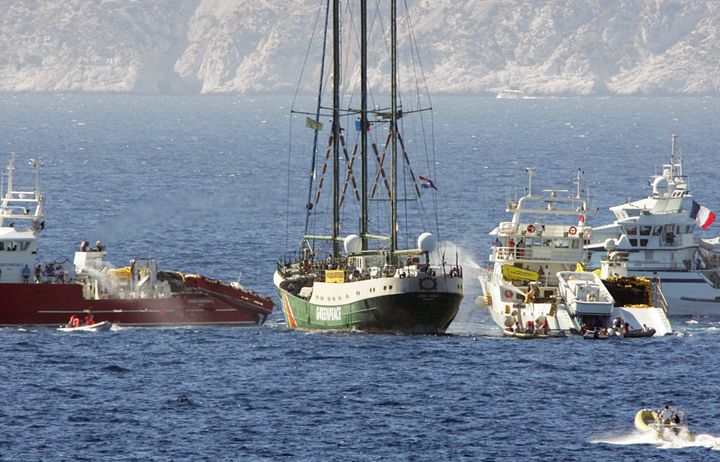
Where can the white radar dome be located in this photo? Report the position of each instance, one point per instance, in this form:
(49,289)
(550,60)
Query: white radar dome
(610,244)
(661,185)
(426,242)
(353,244)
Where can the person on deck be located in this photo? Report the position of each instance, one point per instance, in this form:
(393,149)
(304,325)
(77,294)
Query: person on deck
(26,274)
(38,274)
(665,415)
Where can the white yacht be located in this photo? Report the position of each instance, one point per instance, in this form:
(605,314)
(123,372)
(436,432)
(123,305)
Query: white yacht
(537,287)
(661,240)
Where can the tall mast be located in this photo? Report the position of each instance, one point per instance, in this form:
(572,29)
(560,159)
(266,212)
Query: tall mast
(336,128)
(363,124)
(393,126)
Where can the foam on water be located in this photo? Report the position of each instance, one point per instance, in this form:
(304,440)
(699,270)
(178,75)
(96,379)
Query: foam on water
(636,438)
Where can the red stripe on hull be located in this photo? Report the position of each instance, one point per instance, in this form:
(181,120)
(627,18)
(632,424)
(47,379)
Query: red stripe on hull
(53,304)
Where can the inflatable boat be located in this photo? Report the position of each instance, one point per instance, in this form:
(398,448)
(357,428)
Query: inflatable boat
(676,426)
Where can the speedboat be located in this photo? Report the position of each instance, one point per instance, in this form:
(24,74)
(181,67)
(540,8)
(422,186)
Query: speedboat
(673,427)
(102,326)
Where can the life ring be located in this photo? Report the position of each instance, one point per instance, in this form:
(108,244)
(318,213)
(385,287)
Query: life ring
(531,228)
(508,293)
(428,284)
(75,321)
(572,230)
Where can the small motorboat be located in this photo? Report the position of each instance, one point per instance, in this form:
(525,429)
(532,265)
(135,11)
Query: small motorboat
(102,326)
(673,426)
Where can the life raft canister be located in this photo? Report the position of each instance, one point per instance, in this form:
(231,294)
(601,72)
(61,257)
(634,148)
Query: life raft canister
(531,228)
(572,230)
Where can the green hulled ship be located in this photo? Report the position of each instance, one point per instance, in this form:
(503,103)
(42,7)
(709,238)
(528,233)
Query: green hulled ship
(371,284)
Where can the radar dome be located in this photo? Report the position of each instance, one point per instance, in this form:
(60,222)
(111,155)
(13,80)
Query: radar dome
(661,185)
(610,244)
(426,242)
(353,244)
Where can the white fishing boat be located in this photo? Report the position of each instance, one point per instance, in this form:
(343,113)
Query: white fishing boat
(537,284)
(391,275)
(102,326)
(662,240)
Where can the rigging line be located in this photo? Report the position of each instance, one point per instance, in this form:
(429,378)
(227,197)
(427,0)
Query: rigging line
(308,206)
(307,55)
(414,41)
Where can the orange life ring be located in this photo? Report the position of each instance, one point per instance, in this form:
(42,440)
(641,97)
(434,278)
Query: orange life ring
(572,230)
(75,322)
(531,228)
(508,294)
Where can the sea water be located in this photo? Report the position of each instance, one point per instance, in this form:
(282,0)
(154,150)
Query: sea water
(200,183)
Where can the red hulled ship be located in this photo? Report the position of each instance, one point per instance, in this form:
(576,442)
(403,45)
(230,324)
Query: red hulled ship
(136,295)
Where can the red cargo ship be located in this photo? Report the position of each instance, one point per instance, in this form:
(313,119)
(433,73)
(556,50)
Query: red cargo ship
(137,295)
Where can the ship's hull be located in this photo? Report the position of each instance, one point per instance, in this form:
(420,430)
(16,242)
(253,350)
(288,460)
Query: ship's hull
(209,303)
(686,292)
(424,311)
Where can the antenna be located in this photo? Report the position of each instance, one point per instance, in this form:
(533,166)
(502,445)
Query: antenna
(672,156)
(530,171)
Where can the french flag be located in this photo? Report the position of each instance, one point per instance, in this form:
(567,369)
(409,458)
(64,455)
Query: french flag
(702,215)
(427,183)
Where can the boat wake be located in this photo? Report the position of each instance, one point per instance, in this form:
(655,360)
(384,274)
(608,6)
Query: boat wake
(634,438)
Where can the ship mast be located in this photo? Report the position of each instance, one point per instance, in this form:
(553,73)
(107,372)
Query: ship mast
(363,125)
(336,129)
(393,127)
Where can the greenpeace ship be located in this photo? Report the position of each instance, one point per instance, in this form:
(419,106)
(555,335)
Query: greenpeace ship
(137,295)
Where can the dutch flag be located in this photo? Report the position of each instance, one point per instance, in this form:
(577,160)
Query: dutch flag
(427,183)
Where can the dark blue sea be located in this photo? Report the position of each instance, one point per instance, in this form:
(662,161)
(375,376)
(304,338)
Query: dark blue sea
(201,184)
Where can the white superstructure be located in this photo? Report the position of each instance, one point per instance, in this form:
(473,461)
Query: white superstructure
(661,241)
(537,274)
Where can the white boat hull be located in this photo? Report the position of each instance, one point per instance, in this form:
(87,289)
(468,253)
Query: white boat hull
(102,326)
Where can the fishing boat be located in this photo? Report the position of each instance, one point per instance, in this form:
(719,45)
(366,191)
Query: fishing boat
(372,284)
(537,283)
(102,326)
(673,424)
(661,236)
(36,293)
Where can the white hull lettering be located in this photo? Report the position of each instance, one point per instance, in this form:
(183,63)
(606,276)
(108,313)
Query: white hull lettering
(328,313)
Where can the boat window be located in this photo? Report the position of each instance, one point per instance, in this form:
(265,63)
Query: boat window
(657,230)
(691,229)
(2,245)
(547,242)
(645,230)
(632,212)
(633,242)
(688,229)
(632,230)
(575,244)
(562,244)
(643,242)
